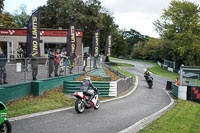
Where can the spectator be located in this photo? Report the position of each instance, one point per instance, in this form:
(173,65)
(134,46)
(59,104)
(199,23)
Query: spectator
(20,56)
(34,67)
(177,82)
(20,52)
(63,60)
(57,62)
(95,62)
(51,57)
(70,64)
(3,62)
(85,56)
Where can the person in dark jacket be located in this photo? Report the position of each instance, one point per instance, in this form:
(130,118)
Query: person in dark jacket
(34,67)
(57,62)
(85,56)
(3,62)
(51,57)
(86,86)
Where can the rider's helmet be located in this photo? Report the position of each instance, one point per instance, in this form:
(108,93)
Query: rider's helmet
(87,78)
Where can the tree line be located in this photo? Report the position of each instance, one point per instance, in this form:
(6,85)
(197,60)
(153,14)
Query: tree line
(179,30)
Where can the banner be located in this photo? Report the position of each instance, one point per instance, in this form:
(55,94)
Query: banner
(71,40)
(96,43)
(108,45)
(33,35)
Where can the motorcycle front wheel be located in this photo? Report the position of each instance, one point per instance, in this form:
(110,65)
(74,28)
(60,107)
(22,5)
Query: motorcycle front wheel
(6,127)
(79,106)
(97,105)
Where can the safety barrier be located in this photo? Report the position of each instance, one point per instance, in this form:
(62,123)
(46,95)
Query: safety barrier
(175,90)
(115,71)
(191,93)
(105,88)
(14,92)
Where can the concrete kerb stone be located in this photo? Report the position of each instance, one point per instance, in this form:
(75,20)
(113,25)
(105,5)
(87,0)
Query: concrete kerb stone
(68,108)
(149,119)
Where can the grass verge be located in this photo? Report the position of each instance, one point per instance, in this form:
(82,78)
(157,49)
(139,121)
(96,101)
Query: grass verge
(183,118)
(52,99)
(162,72)
(124,64)
(125,73)
(155,70)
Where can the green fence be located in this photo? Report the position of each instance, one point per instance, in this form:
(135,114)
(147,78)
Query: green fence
(175,90)
(14,92)
(105,88)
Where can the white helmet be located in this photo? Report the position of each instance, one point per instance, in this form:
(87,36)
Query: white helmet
(87,78)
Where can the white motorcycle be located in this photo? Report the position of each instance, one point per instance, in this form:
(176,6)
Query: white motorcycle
(82,101)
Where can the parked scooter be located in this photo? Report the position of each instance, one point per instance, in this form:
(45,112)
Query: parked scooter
(82,101)
(5,126)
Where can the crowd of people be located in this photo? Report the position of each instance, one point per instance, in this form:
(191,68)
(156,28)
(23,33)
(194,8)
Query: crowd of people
(57,62)
(58,59)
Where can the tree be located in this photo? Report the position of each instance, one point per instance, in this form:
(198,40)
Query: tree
(89,15)
(1,6)
(7,20)
(180,25)
(134,37)
(21,17)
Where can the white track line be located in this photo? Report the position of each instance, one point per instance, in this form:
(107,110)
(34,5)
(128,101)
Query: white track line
(147,120)
(68,108)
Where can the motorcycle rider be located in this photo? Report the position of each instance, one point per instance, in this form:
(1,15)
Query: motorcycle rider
(147,73)
(86,86)
(148,76)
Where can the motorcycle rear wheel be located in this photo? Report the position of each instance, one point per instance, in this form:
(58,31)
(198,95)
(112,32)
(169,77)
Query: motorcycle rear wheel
(79,106)
(6,127)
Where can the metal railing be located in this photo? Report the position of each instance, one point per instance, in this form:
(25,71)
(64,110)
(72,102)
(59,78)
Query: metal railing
(114,71)
(19,70)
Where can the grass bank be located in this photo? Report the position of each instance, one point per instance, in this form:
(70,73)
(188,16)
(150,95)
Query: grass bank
(155,70)
(52,99)
(162,72)
(183,118)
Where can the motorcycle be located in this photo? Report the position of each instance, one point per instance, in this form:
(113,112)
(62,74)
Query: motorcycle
(149,80)
(81,102)
(5,126)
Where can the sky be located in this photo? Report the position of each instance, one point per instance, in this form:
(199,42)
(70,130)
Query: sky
(129,14)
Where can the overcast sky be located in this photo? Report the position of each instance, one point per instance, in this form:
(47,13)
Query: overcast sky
(135,14)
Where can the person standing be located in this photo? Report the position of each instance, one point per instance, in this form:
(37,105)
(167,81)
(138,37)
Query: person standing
(34,67)
(51,57)
(20,56)
(63,59)
(85,56)
(3,62)
(57,62)
(95,62)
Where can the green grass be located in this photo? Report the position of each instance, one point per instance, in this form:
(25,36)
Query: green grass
(112,58)
(125,73)
(162,72)
(124,64)
(52,99)
(155,70)
(183,118)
